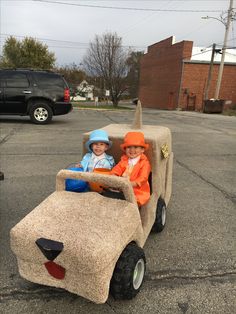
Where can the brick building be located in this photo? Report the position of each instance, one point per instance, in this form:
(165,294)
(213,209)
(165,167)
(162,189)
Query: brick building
(171,78)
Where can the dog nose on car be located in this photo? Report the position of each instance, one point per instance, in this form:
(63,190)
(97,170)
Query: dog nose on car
(50,248)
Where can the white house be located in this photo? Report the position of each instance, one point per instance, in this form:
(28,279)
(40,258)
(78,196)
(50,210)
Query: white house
(84,91)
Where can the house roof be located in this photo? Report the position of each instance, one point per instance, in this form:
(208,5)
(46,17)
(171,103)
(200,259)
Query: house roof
(204,54)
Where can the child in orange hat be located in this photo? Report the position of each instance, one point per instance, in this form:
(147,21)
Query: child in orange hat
(135,166)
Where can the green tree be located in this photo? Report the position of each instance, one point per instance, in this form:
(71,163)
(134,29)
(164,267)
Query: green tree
(28,53)
(132,78)
(106,59)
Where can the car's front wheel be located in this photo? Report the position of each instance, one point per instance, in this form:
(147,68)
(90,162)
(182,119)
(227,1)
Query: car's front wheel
(128,273)
(40,113)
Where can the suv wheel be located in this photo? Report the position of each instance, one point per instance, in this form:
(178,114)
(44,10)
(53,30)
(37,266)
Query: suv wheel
(128,274)
(40,113)
(160,220)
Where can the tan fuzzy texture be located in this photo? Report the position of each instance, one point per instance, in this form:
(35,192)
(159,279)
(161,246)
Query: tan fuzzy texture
(93,229)
(85,225)
(137,123)
(104,179)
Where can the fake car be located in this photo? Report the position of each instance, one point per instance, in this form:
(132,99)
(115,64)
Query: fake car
(90,244)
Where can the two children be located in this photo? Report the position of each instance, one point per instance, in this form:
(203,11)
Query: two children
(134,164)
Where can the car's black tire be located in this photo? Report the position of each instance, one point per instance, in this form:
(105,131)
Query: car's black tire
(160,220)
(40,112)
(128,274)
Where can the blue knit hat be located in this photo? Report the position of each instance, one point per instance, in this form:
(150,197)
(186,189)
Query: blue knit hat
(98,136)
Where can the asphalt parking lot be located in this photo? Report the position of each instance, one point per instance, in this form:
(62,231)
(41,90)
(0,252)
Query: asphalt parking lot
(191,265)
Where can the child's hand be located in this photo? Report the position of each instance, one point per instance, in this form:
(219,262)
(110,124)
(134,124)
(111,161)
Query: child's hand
(134,184)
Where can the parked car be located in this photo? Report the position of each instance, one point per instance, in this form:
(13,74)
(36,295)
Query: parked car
(39,94)
(88,243)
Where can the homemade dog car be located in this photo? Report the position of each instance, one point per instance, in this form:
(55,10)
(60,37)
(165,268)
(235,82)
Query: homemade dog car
(90,244)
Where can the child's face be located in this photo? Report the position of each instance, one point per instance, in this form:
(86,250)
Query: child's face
(99,148)
(134,151)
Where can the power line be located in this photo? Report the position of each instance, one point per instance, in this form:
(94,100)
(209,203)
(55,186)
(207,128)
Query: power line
(138,0)
(221,44)
(127,8)
(84,45)
(144,19)
(200,53)
(46,39)
(129,0)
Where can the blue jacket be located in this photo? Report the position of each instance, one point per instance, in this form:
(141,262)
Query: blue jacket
(108,162)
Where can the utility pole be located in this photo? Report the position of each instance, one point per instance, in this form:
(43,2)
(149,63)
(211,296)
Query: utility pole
(221,68)
(210,72)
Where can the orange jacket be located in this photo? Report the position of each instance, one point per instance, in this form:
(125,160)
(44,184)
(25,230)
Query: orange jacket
(139,174)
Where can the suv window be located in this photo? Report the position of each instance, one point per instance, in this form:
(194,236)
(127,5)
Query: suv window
(16,80)
(48,79)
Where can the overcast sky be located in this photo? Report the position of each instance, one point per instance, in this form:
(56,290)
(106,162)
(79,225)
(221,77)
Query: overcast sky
(67,26)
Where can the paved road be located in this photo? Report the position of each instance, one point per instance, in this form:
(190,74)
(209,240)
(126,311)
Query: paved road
(190,265)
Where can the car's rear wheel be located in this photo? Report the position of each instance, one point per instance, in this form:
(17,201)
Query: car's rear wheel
(160,220)
(128,274)
(40,113)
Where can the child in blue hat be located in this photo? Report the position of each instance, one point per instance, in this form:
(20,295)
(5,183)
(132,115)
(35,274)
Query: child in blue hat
(97,145)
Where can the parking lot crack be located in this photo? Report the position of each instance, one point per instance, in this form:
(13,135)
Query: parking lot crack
(219,276)
(113,311)
(6,137)
(9,135)
(32,293)
(226,194)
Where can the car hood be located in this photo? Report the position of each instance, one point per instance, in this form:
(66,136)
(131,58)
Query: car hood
(93,229)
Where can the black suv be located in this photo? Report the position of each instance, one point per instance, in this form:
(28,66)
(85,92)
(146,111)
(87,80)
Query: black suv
(39,94)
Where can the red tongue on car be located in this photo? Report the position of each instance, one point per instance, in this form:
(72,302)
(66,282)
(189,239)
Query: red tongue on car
(55,270)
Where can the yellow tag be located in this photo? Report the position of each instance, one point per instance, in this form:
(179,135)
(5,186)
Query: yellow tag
(165,150)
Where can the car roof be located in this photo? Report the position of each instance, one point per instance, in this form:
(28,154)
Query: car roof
(26,70)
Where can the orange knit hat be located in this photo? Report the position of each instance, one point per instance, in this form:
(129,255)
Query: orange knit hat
(134,139)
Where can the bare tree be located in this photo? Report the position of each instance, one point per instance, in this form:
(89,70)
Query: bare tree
(133,74)
(106,59)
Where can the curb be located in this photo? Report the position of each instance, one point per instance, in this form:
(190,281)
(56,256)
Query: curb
(102,109)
